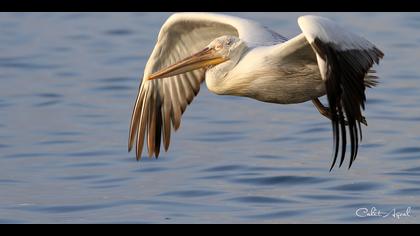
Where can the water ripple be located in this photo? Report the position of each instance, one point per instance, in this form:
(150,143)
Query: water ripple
(259,199)
(119,32)
(115,80)
(190,193)
(68,208)
(29,155)
(111,180)
(281,180)
(215,177)
(87,165)
(269,156)
(282,139)
(410,158)
(79,37)
(90,153)
(124,60)
(356,187)
(324,197)
(108,88)
(65,133)
(218,139)
(225,168)
(314,130)
(406,150)
(58,142)
(277,215)
(47,103)
(372,101)
(9,181)
(81,177)
(67,74)
(49,95)
(29,66)
(371,145)
(407,191)
(413,169)
(226,122)
(105,186)
(4,104)
(11,221)
(150,169)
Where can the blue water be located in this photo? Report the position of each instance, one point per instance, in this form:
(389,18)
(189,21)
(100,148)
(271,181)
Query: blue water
(67,85)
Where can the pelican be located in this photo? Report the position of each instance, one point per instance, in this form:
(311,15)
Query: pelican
(241,57)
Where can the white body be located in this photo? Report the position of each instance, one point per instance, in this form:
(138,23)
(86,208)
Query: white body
(268,76)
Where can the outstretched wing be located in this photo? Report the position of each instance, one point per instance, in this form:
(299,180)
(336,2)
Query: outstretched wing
(161,102)
(344,59)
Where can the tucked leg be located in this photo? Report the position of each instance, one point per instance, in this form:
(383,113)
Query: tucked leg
(325,111)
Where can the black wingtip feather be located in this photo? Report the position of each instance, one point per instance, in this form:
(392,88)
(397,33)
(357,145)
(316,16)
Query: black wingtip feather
(343,136)
(336,132)
(345,85)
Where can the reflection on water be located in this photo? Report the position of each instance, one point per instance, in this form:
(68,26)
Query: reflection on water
(68,83)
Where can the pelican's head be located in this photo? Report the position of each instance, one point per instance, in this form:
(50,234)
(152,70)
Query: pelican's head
(224,50)
(229,47)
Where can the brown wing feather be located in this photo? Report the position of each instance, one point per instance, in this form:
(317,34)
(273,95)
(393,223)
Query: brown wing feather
(162,102)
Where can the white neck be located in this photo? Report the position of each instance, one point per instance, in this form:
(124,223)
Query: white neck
(220,77)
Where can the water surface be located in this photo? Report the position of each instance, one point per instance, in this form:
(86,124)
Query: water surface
(68,83)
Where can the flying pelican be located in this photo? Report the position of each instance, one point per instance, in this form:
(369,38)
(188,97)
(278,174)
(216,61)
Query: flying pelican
(240,57)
